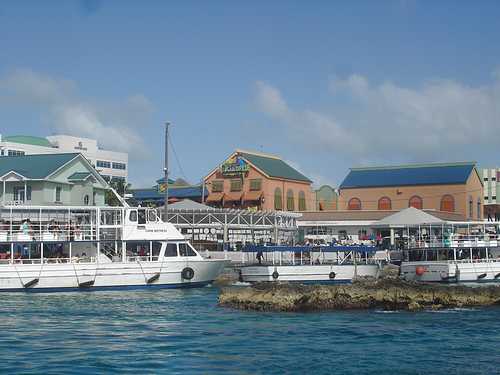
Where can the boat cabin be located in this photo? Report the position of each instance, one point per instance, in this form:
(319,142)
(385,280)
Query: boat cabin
(87,234)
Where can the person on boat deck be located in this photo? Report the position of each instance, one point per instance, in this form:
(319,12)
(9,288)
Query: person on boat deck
(25,227)
(260,256)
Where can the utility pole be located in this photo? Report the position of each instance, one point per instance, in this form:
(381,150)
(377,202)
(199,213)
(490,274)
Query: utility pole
(165,170)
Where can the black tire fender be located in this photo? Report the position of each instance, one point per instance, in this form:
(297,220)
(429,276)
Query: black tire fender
(187,273)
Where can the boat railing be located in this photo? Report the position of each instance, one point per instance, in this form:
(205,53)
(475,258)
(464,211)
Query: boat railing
(57,233)
(308,255)
(78,259)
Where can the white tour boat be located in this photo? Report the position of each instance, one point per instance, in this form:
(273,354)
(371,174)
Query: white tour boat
(91,248)
(452,252)
(308,264)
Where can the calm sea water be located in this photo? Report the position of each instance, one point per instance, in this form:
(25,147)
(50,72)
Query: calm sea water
(185,332)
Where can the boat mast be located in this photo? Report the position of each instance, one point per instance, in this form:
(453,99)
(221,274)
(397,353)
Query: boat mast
(165,170)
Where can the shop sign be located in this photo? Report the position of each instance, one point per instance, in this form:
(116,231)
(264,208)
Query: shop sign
(162,188)
(234,166)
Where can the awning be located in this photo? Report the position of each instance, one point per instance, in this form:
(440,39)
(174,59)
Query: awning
(215,197)
(233,197)
(301,249)
(253,196)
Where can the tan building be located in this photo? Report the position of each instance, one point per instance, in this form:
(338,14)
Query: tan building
(258,181)
(452,187)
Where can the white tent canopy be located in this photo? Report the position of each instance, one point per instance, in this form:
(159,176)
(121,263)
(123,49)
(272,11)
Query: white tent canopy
(408,217)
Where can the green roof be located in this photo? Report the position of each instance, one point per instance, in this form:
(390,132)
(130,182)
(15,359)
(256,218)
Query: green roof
(28,140)
(34,166)
(79,176)
(274,167)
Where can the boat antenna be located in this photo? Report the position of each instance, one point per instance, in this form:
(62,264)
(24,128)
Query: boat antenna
(165,170)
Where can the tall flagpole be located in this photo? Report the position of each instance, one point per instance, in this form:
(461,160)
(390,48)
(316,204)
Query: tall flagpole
(165,170)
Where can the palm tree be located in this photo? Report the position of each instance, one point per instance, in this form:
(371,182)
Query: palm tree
(121,187)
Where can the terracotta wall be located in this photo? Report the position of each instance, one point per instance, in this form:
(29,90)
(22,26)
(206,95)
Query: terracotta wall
(285,185)
(268,187)
(430,194)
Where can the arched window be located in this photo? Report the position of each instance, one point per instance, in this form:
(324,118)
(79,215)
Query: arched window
(278,200)
(447,203)
(471,207)
(354,204)
(302,201)
(416,202)
(384,203)
(290,201)
(479,208)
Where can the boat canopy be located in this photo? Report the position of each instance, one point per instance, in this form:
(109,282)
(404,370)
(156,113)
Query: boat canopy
(301,249)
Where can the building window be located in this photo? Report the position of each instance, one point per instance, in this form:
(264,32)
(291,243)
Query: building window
(58,193)
(494,197)
(19,193)
(485,179)
(121,166)
(217,186)
(493,179)
(236,185)
(94,194)
(103,164)
(447,203)
(278,200)
(486,198)
(302,201)
(290,200)
(479,208)
(256,184)
(384,203)
(354,204)
(15,153)
(471,208)
(416,202)
(86,200)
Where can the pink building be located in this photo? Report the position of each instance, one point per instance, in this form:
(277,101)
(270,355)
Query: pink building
(258,181)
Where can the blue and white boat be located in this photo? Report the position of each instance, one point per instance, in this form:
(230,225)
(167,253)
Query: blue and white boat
(308,264)
(93,248)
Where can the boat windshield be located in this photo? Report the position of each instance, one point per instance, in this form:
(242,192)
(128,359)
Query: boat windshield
(452,254)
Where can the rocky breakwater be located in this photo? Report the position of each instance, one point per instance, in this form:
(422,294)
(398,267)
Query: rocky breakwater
(387,294)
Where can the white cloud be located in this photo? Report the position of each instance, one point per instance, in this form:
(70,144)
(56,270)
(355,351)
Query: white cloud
(437,121)
(269,100)
(58,102)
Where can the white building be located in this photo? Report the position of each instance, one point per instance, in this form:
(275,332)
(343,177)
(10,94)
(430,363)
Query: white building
(491,192)
(110,164)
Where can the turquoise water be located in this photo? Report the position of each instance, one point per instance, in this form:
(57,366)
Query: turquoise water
(184,332)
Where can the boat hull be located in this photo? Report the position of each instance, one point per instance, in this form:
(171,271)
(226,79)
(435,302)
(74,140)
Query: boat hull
(451,272)
(307,273)
(99,276)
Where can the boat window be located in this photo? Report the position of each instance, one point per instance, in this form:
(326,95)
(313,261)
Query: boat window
(171,250)
(151,216)
(142,217)
(156,248)
(185,250)
(133,216)
(140,249)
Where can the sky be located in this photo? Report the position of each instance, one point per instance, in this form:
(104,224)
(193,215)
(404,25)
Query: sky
(326,85)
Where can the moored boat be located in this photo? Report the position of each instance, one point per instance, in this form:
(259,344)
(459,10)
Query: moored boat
(453,252)
(308,264)
(92,248)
